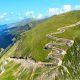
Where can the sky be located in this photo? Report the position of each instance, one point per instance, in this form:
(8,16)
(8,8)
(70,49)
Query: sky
(15,10)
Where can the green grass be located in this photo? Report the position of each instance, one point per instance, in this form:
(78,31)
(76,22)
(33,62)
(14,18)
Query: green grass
(71,62)
(10,70)
(34,40)
(71,33)
(14,71)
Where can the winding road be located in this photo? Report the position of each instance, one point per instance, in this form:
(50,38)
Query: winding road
(53,45)
(55,61)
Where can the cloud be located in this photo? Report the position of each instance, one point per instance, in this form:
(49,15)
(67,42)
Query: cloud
(12,13)
(21,18)
(30,14)
(7,19)
(40,16)
(3,15)
(77,7)
(54,11)
(67,8)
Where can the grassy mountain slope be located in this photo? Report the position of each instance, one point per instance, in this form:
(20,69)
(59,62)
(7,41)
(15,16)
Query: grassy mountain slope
(70,69)
(71,63)
(32,44)
(34,40)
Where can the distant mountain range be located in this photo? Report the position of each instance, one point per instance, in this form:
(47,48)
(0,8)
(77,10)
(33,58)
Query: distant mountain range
(9,31)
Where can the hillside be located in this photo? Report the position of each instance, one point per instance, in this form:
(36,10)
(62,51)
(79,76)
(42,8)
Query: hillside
(35,39)
(49,51)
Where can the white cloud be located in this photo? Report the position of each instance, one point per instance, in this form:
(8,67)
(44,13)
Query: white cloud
(54,11)
(7,19)
(12,12)
(30,14)
(40,16)
(77,7)
(67,8)
(21,18)
(5,14)
(1,16)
